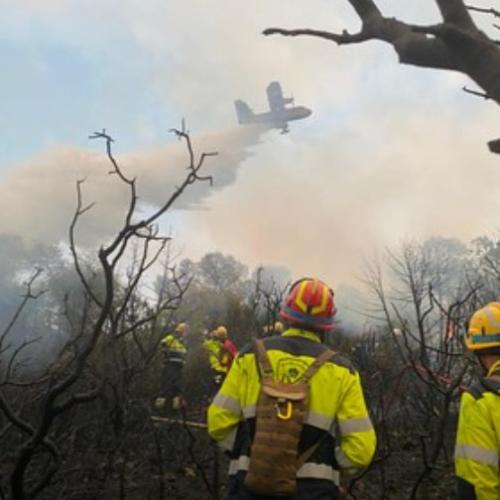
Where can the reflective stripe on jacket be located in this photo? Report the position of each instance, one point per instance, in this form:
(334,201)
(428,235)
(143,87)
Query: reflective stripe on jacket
(477,447)
(215,352)
(175,351)
(337,419)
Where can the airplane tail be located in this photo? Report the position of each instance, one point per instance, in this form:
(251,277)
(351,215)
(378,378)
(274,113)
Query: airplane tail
(243,112)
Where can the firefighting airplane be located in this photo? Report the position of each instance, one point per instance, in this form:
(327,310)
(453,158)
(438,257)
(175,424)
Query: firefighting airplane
(279,114)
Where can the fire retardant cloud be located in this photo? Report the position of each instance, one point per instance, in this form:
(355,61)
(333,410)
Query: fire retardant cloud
(38,199)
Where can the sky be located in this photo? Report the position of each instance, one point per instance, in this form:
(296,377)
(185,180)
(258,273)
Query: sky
(390,152)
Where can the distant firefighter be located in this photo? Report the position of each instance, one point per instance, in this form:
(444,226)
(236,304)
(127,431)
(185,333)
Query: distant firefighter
(221,353)
(270,330)
(174,356)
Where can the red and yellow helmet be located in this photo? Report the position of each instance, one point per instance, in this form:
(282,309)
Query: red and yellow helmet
(309,304)
(483,331)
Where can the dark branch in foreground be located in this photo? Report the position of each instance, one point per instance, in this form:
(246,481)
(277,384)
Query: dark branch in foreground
(454,44)
(476,93)
(483,10)
(341,39)
(80,372)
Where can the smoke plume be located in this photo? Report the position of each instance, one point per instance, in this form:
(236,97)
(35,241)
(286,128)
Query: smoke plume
(38,199)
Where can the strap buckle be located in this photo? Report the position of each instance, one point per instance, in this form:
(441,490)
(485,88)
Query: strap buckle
(284,409)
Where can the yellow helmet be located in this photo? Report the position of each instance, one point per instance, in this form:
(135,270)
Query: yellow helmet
(220,333)
(484,328)
(278,327)
(181,328)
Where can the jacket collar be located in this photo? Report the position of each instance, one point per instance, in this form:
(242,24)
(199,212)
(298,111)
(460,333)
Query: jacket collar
(295,332)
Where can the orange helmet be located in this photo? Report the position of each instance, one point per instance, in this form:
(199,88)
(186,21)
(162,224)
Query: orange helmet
(309,304)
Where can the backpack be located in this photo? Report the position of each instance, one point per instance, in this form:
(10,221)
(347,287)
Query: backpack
(280,414)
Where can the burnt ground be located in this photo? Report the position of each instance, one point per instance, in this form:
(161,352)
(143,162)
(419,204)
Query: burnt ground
(392,478)
(169,460)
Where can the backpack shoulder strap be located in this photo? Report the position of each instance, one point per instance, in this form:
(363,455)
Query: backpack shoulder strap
(492,383)
(317,364)
(264,363)
(313,368)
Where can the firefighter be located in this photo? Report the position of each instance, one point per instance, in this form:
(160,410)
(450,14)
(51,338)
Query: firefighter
(477,448)
(276,329)
(174,356)
(229,349)
(221,352)
(335,402)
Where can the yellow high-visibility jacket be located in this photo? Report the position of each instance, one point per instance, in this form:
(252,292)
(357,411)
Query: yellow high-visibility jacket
(337,419)
(173,348)
(477,450)
(215,351)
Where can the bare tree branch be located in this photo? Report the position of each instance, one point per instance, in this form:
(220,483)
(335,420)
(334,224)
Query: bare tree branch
(455,12)
(29,295)
(493,12)
(476,93)
(455,44)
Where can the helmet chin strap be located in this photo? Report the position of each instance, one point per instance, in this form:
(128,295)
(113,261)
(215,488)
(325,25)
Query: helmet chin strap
(480,360)
(486,361)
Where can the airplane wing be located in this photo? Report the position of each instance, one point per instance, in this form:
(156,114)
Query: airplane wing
(275,96)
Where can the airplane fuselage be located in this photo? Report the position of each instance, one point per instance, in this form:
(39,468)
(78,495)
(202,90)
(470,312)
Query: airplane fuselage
(279,118)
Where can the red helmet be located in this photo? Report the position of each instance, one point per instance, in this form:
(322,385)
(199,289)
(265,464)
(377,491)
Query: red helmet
(309,304)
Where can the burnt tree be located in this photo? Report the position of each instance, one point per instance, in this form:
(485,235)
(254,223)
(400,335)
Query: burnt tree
(455,43)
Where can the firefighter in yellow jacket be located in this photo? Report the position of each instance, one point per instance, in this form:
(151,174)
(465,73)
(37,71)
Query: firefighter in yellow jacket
(477,450)
(337,427)
(174,356)
(221,352)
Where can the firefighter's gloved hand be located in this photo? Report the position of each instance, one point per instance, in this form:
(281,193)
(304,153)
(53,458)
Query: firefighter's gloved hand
(218,379)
